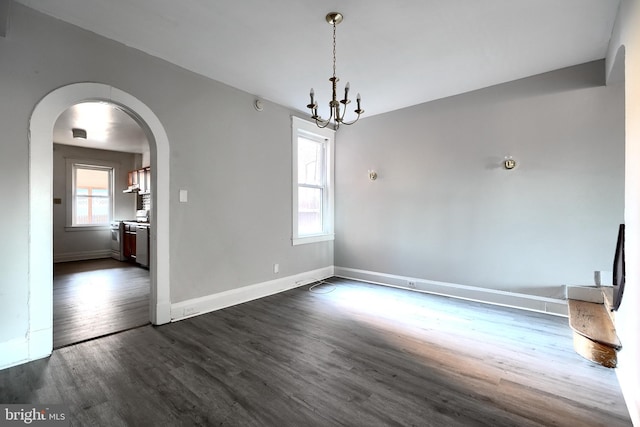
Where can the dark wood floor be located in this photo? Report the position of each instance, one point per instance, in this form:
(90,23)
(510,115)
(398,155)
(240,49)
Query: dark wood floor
(360,355)
(97,297)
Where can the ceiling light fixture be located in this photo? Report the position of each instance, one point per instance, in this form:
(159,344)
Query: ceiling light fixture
(79,133)
(334,18)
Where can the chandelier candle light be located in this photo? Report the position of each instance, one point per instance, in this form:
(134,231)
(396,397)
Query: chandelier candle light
(334,18)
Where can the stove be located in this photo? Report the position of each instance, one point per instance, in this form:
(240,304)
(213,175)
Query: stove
(116,240)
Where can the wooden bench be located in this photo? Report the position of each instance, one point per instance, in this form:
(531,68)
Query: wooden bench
(594,334)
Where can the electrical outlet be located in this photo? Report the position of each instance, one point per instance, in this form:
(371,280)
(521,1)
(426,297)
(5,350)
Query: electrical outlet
(411,284)
(276,268)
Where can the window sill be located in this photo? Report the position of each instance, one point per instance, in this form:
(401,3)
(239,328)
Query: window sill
(312,239)
(87,228)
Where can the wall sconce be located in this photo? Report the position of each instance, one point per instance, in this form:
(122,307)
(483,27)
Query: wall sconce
(509,163)
(373,175)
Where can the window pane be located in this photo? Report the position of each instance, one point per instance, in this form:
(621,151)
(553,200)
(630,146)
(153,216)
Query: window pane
(82,211)
(310,162)
(92,201)
(309,211)
(91,178)
(99,210)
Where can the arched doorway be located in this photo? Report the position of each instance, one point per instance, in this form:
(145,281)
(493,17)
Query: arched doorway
(40,206)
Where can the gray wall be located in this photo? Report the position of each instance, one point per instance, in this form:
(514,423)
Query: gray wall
(235,162)
(443,207)
(68,245)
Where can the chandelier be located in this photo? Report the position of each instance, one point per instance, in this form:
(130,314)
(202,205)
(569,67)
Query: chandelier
(338,116)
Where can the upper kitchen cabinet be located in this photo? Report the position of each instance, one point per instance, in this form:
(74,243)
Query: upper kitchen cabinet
(144,180)
(139,181)
(132,181)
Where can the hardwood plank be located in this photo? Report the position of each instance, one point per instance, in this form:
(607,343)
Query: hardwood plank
(96,298)
(359,355)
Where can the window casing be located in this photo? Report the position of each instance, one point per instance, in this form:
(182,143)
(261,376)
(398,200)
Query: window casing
(312,182)
(89,194)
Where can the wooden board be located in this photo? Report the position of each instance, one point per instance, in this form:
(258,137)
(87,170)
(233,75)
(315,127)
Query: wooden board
(594,351)
(592,321)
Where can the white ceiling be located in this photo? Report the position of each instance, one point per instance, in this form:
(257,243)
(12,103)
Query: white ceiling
(395,53)
(108,128)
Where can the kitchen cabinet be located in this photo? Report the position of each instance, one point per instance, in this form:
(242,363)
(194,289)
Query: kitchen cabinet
(142,245)
(129,241)
(139,180)
(144,180)
(132,179)
(135,242)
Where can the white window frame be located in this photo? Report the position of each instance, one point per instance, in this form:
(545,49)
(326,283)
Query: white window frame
(71,165)
(309,130)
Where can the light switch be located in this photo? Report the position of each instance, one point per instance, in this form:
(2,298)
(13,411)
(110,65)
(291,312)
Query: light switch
(183,196)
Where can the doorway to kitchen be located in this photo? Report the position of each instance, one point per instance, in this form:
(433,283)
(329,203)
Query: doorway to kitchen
(39,339)
(99,287)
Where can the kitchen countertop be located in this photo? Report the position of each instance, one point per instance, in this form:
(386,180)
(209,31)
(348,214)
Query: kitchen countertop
(139,224)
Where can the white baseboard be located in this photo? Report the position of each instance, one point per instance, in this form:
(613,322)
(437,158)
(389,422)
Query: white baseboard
(193,307)
(585,293)
(162,314)
(489,296)
(22,350)
(14,352)
(41,343)
(81,256)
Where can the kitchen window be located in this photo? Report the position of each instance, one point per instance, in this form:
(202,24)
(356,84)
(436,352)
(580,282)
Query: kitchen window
(90,194)
(312,182)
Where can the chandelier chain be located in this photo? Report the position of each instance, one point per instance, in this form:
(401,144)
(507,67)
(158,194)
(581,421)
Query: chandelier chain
(334,49)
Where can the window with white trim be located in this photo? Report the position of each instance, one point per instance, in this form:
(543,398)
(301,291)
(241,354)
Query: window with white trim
(90,194)
(312,182)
